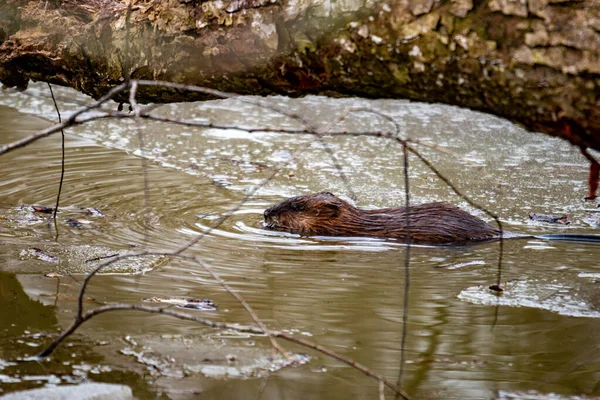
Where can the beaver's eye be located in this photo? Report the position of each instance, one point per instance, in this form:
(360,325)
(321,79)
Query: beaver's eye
(297,207)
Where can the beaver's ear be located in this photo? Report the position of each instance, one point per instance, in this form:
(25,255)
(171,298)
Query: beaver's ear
(334,206)
(327,194)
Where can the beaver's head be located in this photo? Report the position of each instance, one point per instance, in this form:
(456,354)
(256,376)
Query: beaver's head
(311,214)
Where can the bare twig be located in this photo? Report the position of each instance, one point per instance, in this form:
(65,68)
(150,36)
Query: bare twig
(382,115)
(471,203)
(310,128)
(153,310)
(62,169)
(69,122)
(137,112)
(406,264)
(239,298)
(342,358)
(83,317)
(220,325)
(73,120)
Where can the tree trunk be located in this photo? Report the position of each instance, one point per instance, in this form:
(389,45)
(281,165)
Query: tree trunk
(536,62)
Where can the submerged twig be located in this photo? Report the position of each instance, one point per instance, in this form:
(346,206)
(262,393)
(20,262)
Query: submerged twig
(261,389)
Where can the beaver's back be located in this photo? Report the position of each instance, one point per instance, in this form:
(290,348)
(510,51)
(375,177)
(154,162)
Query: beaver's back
(435,223)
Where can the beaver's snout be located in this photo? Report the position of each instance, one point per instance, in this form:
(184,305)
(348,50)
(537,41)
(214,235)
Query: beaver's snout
(302,214)
(270,221)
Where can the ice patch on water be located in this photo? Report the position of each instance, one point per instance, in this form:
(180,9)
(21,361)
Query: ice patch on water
(555,297)
(595,275)
(533,395)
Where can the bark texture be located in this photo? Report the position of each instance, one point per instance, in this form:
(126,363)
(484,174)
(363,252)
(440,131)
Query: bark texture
(536,62)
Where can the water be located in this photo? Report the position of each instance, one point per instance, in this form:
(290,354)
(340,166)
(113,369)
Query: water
(345,294)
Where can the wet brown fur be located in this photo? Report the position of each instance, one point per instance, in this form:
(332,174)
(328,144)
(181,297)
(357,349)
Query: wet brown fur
(323,214)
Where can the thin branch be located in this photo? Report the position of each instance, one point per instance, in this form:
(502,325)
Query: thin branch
(342,358)
(382,115)
(133,103)
(62,169)
(406,264)
(485,210)
(239,298)
(96,270)
(72,121)
(471,203)
(153,310)
(292,131)
(219,325)
(81,318)
(69,122)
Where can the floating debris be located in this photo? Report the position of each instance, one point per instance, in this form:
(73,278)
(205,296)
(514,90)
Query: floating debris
(39,254)
(42,209)
(53,275)
(182,302)
(496,288)
(77,223)
(94,212)
(550,219)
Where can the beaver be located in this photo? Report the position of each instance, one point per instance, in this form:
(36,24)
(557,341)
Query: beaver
(324,214)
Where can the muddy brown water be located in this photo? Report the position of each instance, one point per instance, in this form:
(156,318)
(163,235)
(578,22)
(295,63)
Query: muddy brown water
(345,294)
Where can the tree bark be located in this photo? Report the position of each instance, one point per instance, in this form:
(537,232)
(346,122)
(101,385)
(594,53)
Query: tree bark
(535,62)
